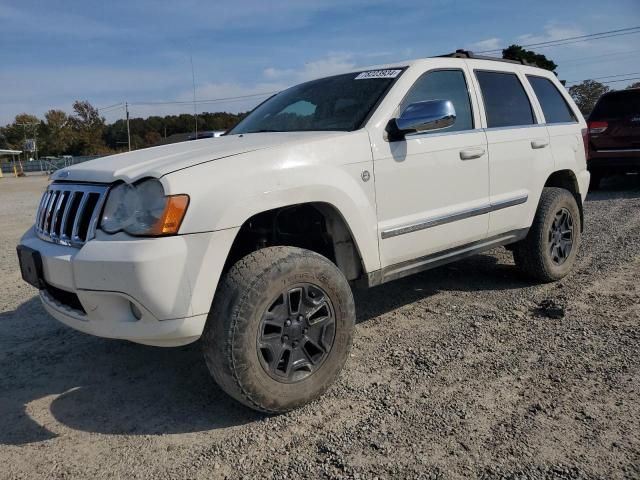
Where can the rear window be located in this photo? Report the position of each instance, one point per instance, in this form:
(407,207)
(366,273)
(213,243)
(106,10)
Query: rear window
(505,100)
(553,104)
(625,103)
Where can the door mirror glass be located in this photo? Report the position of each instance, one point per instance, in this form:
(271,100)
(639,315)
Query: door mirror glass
(425,116)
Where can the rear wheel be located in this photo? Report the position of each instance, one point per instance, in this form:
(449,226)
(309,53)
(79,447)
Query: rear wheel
(549,251)
(280,329)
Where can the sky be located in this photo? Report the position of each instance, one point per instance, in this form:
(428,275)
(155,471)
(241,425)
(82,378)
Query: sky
(53,52)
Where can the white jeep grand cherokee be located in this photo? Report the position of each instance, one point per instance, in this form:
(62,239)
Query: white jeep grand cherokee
(253,240)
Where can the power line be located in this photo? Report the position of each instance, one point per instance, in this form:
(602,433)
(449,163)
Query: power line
(622,80)
(591,57)
(110,107)
(583,36)
(586,40)
(576,39)
(607,81)
(213,100)
(606,76)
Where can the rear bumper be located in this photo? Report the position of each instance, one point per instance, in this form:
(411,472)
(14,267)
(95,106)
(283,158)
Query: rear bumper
(614,161)
(170,281)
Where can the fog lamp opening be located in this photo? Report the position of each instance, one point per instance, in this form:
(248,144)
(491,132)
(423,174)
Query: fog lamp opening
(135,311)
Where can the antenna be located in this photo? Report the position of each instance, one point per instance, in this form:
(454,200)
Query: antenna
(126,109)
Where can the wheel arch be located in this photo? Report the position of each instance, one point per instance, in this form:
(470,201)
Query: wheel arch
(318,226)
(568,180)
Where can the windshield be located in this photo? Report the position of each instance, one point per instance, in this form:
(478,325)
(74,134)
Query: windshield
(338,103)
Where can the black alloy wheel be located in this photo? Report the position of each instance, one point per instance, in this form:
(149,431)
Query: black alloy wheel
(561,236)
(296,333)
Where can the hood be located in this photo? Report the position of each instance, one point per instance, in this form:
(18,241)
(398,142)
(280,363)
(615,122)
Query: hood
(159,161)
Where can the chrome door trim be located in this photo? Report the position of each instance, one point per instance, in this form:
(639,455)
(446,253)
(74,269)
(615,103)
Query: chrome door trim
(514,127)
(435,133)
(453,217)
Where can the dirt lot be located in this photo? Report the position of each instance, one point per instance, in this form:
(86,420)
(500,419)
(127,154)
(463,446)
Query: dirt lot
(455,373)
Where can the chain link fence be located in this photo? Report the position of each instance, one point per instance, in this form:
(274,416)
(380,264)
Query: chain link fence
(46,165)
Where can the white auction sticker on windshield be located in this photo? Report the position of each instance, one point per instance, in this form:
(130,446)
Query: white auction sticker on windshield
(378,74)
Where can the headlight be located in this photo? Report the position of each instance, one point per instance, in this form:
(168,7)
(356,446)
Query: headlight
(143,209)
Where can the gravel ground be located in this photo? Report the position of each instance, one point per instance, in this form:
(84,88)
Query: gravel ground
(467,371)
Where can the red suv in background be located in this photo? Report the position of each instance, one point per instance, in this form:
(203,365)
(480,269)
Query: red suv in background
(614,135)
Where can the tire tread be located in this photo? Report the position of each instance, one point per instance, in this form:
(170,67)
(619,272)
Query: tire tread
(240,282)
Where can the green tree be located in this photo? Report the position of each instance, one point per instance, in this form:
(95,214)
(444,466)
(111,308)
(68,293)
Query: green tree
(24,126)
(516,52)
(57,133)
(586,94)
(88,128)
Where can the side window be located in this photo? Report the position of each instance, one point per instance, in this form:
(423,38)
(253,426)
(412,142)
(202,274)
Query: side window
(505,100)
(553,104)
(444,85)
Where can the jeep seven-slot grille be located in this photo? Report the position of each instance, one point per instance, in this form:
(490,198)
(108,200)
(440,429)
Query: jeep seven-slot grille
(68,213)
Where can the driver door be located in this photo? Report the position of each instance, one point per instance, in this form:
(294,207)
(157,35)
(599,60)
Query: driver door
(432,188)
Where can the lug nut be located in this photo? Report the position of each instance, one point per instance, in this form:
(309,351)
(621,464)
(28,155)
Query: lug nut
(285,338)
(287,323)
(305,330)
(300,318)
(295,344)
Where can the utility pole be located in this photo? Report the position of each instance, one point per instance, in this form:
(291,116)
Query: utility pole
(195,110)
(126,109)
(24,131)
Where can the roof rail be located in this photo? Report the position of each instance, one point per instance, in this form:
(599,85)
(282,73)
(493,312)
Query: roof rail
(460,53)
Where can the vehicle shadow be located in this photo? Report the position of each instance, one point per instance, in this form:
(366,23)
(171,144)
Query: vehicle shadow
(474,274)
(616,187)
(116,387)
(101,385)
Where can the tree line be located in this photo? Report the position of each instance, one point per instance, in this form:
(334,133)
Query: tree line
(85,132)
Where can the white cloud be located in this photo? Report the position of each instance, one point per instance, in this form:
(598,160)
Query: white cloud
(493,43)
(332,64)
(552,32)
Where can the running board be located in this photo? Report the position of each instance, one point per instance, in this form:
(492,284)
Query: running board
(409,267)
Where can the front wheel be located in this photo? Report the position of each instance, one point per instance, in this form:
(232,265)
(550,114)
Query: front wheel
(549,251)
(280,329)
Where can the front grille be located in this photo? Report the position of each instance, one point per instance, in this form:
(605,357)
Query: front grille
(68,213)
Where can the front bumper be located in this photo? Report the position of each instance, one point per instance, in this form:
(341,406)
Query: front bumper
(171,282)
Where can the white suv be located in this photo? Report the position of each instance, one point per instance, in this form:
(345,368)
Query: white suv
(253,240)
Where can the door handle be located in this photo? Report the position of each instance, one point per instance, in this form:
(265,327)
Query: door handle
(539,143)
(471,153)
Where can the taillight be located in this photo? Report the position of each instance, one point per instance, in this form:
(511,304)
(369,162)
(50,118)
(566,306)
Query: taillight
(597,127)
(585,140)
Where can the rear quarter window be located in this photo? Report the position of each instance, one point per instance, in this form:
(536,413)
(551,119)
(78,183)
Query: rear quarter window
(554,106)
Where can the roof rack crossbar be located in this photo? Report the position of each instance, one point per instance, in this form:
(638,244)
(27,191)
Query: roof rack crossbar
(460,53)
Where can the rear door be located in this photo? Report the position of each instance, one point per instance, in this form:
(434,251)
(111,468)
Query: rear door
(518,141)
(565,131)
(618,118)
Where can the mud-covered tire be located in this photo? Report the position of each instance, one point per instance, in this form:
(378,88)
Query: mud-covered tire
(534,255)
(245,293)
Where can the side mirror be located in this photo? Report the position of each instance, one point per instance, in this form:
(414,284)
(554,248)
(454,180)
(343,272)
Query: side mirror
(422,117)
